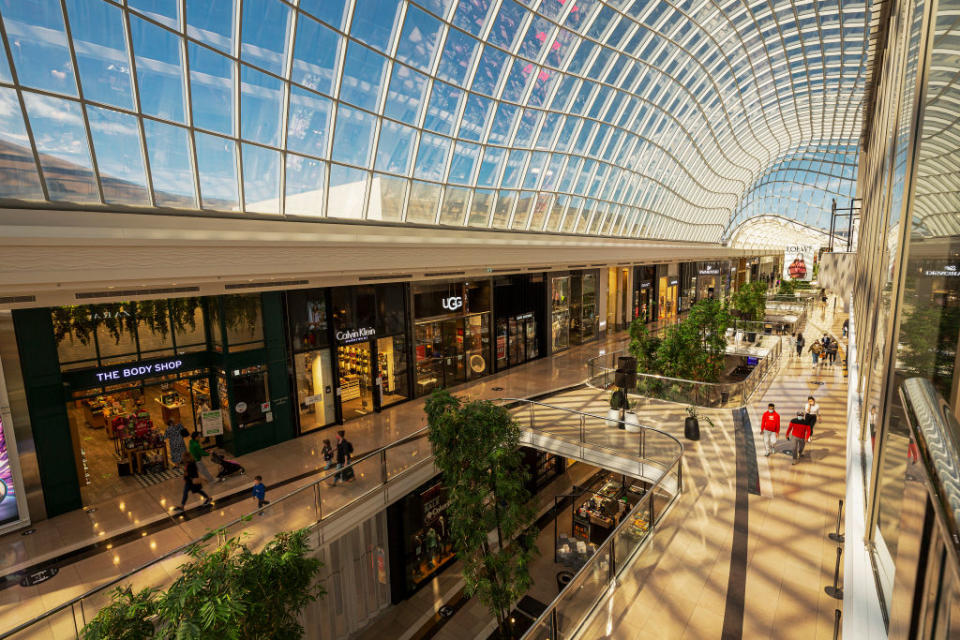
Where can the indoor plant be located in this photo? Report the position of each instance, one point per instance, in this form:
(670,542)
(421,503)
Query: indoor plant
(691,425)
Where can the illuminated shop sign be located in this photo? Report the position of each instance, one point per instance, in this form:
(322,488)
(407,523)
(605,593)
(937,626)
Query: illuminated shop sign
(646,284)
(948,271)
(136,370)
(349,336)
(672,282)
(710,270)
(452,303)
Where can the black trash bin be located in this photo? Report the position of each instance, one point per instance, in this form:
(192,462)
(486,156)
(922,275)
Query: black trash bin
(563,579)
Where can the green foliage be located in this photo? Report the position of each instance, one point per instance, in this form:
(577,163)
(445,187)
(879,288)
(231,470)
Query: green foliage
(228,593)
(128,617)
(477,448)
(787,288)
(642,345)
(694,413)
(695,348)
(80,322)
(619,400)
(751,300)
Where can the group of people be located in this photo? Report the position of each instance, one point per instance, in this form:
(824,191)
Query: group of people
(822,351)
(799,431)
(343,453)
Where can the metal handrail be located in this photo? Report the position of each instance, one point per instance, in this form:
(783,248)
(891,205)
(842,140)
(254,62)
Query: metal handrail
(416,435)
(607,548)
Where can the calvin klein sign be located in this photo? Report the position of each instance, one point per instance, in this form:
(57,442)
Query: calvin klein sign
(349,336)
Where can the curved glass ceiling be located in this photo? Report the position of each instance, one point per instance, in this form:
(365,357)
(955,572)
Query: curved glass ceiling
(618,117)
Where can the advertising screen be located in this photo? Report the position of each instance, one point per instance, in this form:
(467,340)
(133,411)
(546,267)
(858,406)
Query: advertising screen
(798,262)
(9,511)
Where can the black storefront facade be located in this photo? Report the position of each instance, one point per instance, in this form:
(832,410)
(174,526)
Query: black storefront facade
(519,304)
(644,292)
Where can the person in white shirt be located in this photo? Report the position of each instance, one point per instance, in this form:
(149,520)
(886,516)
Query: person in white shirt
(811,412)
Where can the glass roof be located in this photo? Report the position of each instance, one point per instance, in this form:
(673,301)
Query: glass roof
(636,118)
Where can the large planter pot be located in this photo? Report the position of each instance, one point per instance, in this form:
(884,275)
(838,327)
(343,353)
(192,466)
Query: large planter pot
(691,429)
(632,422)
(614,414)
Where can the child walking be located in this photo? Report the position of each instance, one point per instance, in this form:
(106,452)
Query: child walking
(260,492)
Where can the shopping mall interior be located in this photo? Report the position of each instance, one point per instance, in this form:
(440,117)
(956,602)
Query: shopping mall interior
(479,319)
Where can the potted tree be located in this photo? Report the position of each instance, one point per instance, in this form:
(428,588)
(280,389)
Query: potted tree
(691,425)
(618,402)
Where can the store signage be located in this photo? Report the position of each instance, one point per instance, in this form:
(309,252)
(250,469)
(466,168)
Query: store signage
(948,271)
(672,282)
(211,423)
(349,336)
(452,303)
(646,284)
(136,371)
(798,262)
(709,270)
(35,578)
(9,509)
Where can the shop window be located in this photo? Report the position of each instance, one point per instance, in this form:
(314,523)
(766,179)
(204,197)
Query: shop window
(560,320)
(76,346)
(249,395)
(189,326)
(391,309)
(153,328)
(307,313)
(478,296)
(243,321)
(392,369)
(216,335)
(354,307)
(315,385)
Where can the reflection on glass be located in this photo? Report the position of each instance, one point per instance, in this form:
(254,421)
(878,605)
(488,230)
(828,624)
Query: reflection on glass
(373,21)
(38,43)
(263,38)
(261,103)
(315,394)
(480,208)
(347,192)
(102,60)
(168,148)
(304,185)
(159,70)
(363,71)
(315,55)
(405,97)
(444,101)
(418,41)
(116,141)
(354,136)
(454,206)
(424,199)
(261,179)
(309,124)
(211,89)
(386,197)
(458,50)
(211,21)
(392,370)
(464,159)
(489,172)
(20,180)
(503,209)
(475,114)
(396,148)
(431,157)
(217,161)
(61,140)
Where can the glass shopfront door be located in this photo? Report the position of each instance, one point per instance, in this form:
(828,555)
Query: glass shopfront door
(452,351)
(354,362)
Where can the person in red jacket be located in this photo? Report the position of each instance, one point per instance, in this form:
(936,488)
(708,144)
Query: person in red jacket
(798,433)
(770,427)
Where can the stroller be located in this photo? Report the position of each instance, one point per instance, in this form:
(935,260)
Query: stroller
(227,467)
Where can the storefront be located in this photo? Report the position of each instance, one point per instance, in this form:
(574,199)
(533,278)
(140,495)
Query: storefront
(309,334)
(419,534)
(519,303)
(370,336)
(559,312)
(13,500)
(667,284)
(644,300)
(583,306)
(687,293)
(618,298)
(710,280)
(126,371)
(452,333)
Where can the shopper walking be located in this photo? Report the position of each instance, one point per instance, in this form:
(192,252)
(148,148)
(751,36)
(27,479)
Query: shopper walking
(174,435)
(770,427)
(797,434)
(800,343)
(832,349)
(198,453)
(327,452)
(811,412)
(260,492)
(846,327)
(191,482)
(344,452)
(816,349)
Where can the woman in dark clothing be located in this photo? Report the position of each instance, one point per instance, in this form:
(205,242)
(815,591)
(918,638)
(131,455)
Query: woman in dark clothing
(800,343)
(191,482)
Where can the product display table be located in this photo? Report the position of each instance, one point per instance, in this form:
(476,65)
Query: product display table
(170,412)
(137,456)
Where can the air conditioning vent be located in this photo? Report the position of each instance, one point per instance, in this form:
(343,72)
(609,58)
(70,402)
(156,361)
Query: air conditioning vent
(257,285)
(113,293)
(506,270)
(576,266)
(17,299)
(438,274)
(539,268)
(401,276)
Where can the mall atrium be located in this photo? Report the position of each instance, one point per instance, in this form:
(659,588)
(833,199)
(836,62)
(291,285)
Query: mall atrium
(481,318)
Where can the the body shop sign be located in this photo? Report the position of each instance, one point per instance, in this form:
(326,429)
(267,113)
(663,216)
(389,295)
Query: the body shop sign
(137,370)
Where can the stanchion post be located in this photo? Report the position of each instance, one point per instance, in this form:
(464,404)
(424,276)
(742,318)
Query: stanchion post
(835,591)
(837,536)
(836,624)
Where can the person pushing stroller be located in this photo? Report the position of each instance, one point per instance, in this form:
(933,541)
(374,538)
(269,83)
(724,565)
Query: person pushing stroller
(227,467)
